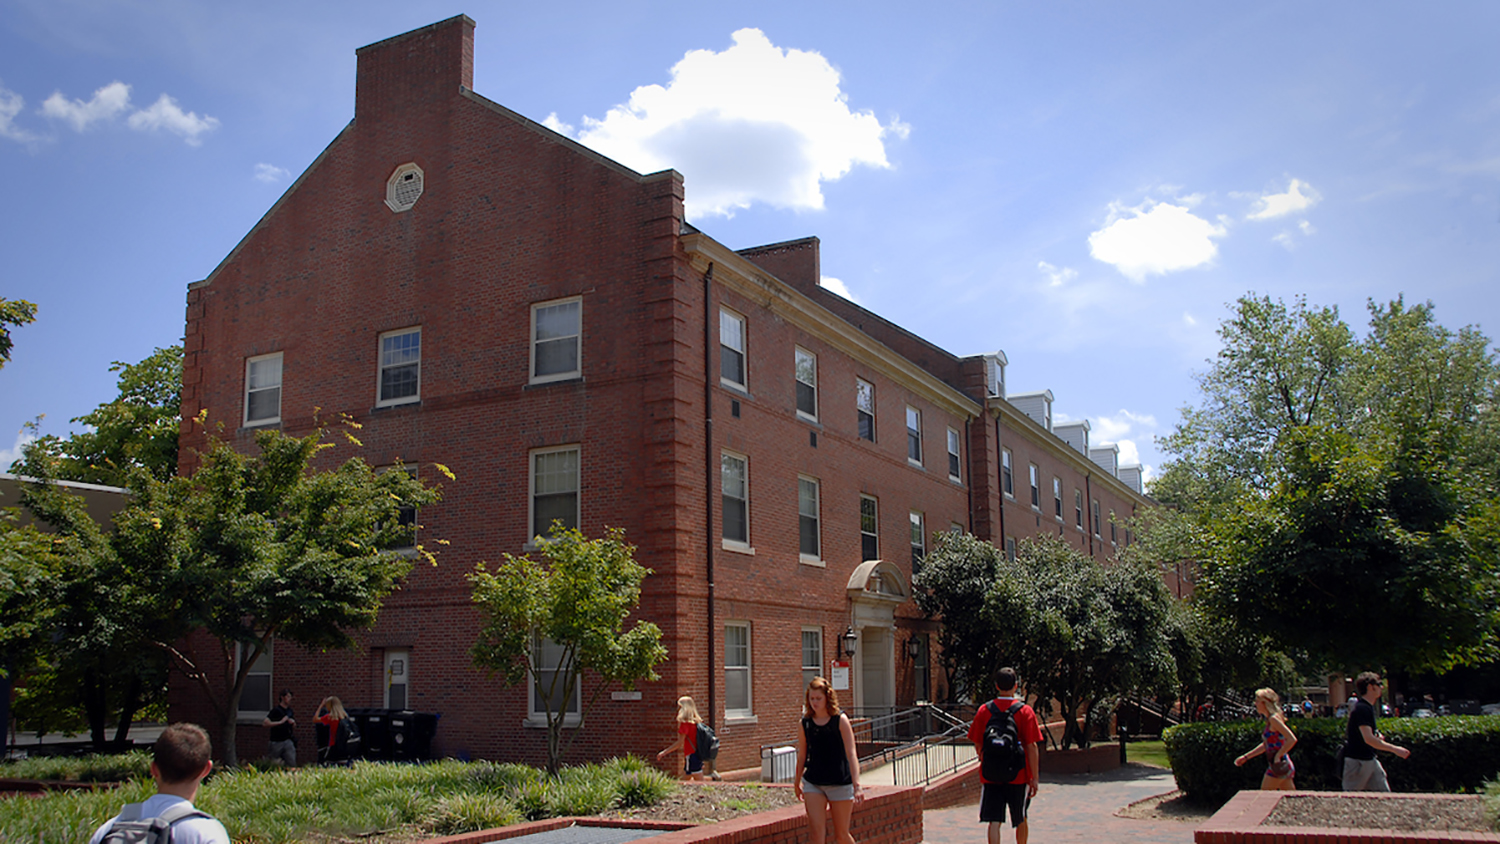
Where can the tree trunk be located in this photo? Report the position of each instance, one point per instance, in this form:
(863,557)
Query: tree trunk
(128,709)
(94,707)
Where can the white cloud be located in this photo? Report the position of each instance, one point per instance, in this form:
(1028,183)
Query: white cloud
(11,104)
(1188,319)
(1056,277)
(1156,238)
(1299,196)
(271,174)
(107,102)
(12,454)
(556,125)
(1306,227)
(754,123)
(1107,429)
(837,286)
(166,114)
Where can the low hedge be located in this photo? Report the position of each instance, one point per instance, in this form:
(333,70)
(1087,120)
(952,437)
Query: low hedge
(1453,754)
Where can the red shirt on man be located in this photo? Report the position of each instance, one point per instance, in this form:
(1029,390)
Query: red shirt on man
(1027,728)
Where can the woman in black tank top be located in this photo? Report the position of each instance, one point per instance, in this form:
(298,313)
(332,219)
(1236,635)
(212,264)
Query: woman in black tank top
(828,780)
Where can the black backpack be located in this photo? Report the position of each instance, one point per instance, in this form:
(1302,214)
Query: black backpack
(131,828)
(1002,754)
(708,743)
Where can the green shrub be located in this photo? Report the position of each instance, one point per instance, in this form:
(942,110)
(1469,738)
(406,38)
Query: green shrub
(1451,754)
(1492,804)
(581,796)
(634,789)
(112,768)
(470,813)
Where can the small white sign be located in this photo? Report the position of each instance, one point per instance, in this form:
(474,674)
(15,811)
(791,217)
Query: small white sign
(625,695)
(840,676)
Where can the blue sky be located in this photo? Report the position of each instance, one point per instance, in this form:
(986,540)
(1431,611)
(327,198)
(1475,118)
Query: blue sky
(1086,186)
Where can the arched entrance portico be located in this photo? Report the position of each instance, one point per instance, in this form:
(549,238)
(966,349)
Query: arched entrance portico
(875,589)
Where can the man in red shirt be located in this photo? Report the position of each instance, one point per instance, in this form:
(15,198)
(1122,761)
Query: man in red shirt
(1018,792)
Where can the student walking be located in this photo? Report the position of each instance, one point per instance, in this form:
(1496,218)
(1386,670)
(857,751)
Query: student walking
(179,762)
(1276,741)
(828,771)
(687,739)
(1017,731)
(1362,771)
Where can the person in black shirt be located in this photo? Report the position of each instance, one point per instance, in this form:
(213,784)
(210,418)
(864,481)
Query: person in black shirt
(279,719)
(1362,771)
(828,770)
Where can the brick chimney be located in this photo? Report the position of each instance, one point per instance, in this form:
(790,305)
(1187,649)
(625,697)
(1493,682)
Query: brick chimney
(411,71)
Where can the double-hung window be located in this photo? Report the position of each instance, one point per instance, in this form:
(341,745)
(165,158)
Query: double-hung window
(810,542)
(1078,508)
(1010,548)
(864,408)
(913,435)
(1036,490)
(1114,531)
(735,475)
(255,700)
(1007,473)
(400,367)
(549,684)
(918,541)
(737,669)
(1095,504)
(812,654)
(554,488)
(807,384)
(556,340)
(732,349)
(1057,497)
(263,389)
(869,528)
(955,470)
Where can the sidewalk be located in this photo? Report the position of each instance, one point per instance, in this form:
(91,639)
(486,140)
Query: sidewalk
(1077,808)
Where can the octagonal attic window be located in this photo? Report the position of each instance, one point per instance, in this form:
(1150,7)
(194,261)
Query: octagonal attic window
(404,187)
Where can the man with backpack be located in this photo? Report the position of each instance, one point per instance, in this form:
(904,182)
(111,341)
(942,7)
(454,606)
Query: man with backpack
(179,763)
(1007,736)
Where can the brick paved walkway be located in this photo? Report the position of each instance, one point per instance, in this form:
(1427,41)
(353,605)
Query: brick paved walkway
(1078,809)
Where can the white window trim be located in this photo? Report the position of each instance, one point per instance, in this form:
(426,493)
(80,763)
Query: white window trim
(874,434)
(748,712)
(876,501)
(1078,509)
(810,559)
(744,352)
(1004,454)
(531,488)
(570,375)
(380,367)
(921,446)
(802,414)
(280,391)
(1094,516)
(725,542)
(245,716)
(918,519)
(817,631)
(955,449)
(1057,499)
(1034,481)
(538,720)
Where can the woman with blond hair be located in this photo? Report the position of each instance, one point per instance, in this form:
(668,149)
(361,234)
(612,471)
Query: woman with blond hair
(1276,741)
(828,771)
(331,715)
(687,738)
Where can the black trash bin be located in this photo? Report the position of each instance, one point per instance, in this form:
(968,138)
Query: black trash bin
(410,735)
(374,741)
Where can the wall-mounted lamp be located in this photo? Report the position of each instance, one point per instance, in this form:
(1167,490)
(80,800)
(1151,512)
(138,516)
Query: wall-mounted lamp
(913,648)
(848,641)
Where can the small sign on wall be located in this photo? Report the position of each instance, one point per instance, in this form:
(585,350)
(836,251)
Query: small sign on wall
(624,695)
(840,678)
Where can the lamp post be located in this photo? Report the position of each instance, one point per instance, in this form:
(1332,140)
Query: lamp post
(913,647)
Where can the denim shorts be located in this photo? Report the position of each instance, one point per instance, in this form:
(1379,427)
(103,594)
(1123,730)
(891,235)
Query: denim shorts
(832,793)
(693,764)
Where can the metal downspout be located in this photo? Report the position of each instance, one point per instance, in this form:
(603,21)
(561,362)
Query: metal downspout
(708,483)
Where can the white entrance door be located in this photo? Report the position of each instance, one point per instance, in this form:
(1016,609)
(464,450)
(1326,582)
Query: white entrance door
(397,679)
(877,694)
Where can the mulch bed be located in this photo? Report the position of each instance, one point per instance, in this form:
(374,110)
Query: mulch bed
(1407,815)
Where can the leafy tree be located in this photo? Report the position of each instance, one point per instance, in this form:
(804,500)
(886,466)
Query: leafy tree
(1347,485)
(29,570)
(137,429)
(1079,631)
(952,584)
(576,603)
(15,312)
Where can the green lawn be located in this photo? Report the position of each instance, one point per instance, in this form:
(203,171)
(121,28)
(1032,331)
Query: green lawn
(1148,753)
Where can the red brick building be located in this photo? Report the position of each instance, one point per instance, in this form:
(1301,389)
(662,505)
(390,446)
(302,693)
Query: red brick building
(481,292)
